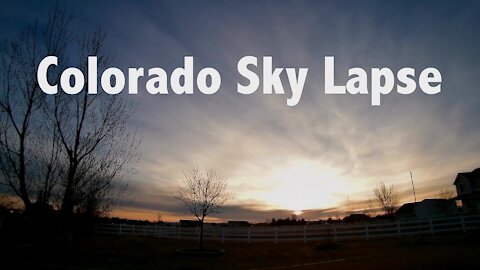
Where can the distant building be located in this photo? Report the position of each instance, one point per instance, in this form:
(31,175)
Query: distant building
(468,191)
(196,223)
(238,223)
(427,208)
(189,223)
(353,218)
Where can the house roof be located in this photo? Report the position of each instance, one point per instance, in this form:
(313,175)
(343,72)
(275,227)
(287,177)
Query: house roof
(406,209)
(356,217)
(475,174)
(473,195)
(409,208)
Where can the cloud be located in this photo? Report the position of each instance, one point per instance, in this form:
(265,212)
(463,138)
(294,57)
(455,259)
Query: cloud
(251,138)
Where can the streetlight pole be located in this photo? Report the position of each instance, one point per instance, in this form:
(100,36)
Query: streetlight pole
(413,186)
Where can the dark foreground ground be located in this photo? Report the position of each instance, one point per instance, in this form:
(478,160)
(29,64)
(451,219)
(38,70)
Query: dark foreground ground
(460,251)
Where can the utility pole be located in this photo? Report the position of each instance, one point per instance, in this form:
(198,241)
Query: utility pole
(413,186)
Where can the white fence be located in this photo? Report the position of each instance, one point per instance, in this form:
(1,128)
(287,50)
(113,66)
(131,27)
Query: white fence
(301,233)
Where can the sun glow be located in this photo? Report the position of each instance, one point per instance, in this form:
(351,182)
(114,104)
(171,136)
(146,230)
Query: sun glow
(306,185)
(297,212)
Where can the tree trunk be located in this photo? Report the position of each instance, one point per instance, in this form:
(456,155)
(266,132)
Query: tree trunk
(67,201)
(66,210)
(21,177)
(201,235)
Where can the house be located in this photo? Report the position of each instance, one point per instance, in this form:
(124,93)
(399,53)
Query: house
(427,208)
(468,191)
(189,223)
(355,218)
(238,223)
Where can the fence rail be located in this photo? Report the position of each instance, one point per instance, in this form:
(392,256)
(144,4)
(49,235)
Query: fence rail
(301,233)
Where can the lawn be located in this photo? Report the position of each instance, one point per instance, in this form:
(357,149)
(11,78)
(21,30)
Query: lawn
(111,252)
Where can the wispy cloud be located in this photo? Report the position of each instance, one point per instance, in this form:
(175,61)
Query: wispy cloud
(253,139)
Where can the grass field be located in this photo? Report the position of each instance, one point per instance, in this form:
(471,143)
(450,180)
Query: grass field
(112,252)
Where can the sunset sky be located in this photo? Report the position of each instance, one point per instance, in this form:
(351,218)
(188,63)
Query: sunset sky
(311,157)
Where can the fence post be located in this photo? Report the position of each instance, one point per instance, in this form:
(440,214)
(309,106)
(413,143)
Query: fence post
(145,230)
(305,234)
(197,231)
(335,233)
(366,231)
(462,219)
(431,225)
(399,231)
(120,230)
(179,231)
(223,234)
(276,235)
(248,235)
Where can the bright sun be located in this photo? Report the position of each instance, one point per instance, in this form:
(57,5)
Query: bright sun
(306,185)
(297,212)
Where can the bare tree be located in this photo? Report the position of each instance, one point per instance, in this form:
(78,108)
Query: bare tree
(95,137)
(76,150)
(21,101)
(202,195)
(387,198)
(446,194)
(6,202)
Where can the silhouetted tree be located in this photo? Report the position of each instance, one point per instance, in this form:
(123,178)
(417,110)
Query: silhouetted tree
(94,136)
(289,221)
(202,195)
(446,194)
(22,130)
(76,150)
(386,198)
(6,201)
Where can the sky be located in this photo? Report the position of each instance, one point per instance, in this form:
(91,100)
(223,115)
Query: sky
(310,158)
